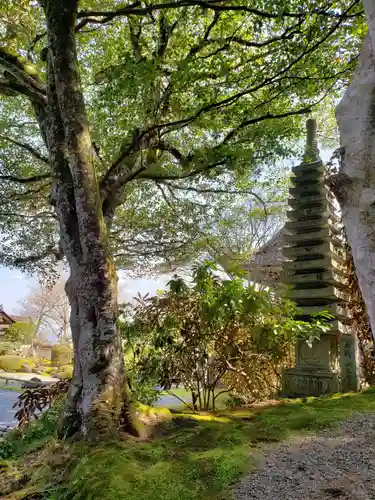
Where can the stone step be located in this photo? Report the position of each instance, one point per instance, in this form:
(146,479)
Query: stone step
(311,200)
(307,167)
(306,177)
(329,293)
(337,311)
(306,279)
(313,225)
(307,189)
(320,235)
(313,211)
(325,248)
(313,238)
(327,263)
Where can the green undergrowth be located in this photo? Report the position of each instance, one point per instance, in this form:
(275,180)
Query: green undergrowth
(187,456)
(8,387)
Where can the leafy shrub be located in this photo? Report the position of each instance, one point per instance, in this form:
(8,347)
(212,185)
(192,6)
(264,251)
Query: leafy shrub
(33,401)
(6,348)
(11,363)
(50,369)
(35,434)
(212,332)
(144,392)
(22,332)
(65,372)
(61,355)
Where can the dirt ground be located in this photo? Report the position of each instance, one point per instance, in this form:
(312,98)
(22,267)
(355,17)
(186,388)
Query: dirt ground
(332,464)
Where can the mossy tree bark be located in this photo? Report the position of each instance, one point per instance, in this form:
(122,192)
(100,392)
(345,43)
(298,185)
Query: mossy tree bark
(354,185)
(98,399)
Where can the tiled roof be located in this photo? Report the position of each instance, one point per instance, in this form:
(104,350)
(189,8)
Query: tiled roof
(270,254)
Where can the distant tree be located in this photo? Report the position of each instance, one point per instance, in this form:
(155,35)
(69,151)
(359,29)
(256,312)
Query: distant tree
(49,307)
(20,332)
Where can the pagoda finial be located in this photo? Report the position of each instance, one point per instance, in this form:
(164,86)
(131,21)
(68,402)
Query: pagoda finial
(311,151)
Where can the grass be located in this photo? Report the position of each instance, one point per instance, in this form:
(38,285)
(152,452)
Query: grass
(8,387)
(189,457)
(182,393)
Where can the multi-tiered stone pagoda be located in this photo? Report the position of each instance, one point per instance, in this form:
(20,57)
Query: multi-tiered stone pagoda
(314,272)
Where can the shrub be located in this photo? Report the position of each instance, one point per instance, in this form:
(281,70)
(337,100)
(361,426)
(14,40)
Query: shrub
(37,432)
(65,372)
(62,355)
(6,348)
(11,363)
(210,332)
(21,332)
(50,369)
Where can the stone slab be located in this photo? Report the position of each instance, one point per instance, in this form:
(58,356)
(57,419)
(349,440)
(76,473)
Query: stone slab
(329,293)
(307,189)
(326,248)
(313,236)
(299,382)
(329,277)
(316,224)
(308,176)
(307,167)
(314,212)
(338,312)
(26,377)
(326,263)
(299,226)
(312,208)
(349,364)
(312,200)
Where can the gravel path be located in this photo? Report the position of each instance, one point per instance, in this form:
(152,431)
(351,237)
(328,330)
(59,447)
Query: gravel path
(332,464)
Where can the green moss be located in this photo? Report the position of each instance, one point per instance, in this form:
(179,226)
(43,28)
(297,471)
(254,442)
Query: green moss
(190,457)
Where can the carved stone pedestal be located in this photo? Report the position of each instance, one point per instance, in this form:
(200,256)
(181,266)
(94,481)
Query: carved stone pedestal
(299,382)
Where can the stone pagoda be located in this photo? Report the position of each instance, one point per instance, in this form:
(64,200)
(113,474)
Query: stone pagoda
(314,273)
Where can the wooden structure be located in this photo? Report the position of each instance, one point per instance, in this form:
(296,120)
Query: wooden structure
(5,322)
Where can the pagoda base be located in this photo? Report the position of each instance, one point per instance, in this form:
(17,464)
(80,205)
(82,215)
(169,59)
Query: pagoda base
(301,381)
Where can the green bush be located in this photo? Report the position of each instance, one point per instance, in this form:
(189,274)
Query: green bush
(12,363)
(6,348)
(65,372)
(62,355)
(22,332)
(50,369)
(34,434)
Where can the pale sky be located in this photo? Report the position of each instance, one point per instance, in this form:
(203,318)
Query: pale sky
(14,287)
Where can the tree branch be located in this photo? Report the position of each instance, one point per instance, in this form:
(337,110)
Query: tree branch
(159,177)
(24,74)
(235,97)
(135,9)
(31,259)
(218,191)
(24,180)
(28,148)
(268,116)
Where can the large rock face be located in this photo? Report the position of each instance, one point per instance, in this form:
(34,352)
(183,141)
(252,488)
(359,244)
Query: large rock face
(315,274)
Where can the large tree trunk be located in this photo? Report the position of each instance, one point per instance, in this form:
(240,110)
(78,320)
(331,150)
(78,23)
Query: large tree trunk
(99,401)
(98,398)
(354,186)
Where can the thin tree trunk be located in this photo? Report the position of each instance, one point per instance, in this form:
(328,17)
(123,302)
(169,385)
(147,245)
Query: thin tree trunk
(354,186)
